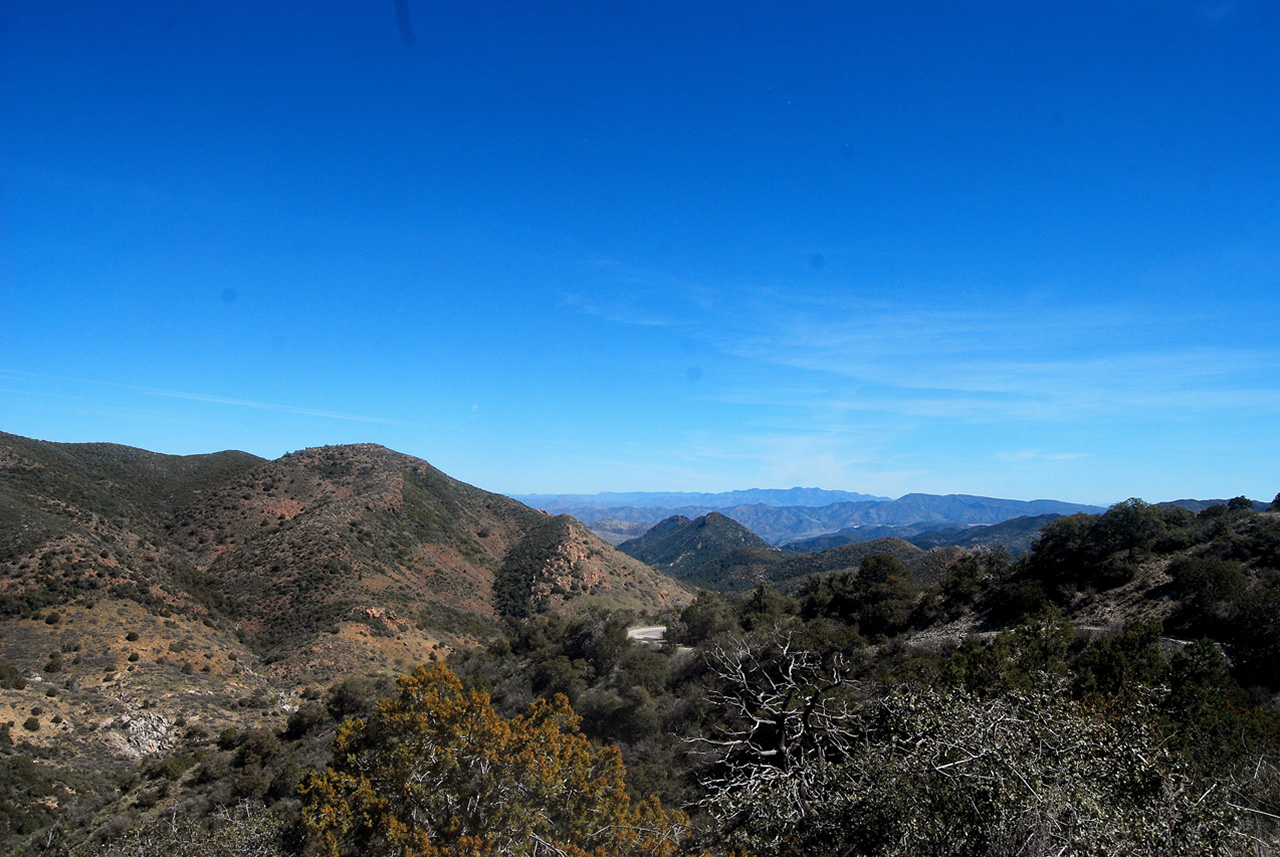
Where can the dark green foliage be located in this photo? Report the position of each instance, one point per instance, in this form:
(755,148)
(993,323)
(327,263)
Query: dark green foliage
(309,717)
(1210,720)
(10,677)
(1120,665)
(435,616)
(1224,568)
(1033,655)
(1063,547)
(1208,589)
(513,583)
(808,762)
(560,675)
(1086,553)
(24,790)
(825,636)
(256,747)
(1101,551)
(878,598)
(1014,536)
(539,634)
(600,638)
(963,586)
(172,767)
(643,668)
(765,607)
(793,570)
(214,768)
(708,615)
(284,780)
(637,697)
(1256,539)
(356,696)
(1207,582)
(1254,638)
(712,551)
(735,571)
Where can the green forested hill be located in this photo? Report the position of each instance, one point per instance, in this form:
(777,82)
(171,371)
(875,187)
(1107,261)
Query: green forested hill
(712,551)
(716,552)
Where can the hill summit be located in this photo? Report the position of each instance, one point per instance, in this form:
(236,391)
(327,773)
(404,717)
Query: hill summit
(687,548)
(316,561)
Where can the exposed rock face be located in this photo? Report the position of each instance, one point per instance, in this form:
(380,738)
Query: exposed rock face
(137,734)
(561,565)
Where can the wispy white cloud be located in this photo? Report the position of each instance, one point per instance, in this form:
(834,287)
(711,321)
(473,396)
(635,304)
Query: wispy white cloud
(211,399)
(1023,361)
(1037,455)
(621,293)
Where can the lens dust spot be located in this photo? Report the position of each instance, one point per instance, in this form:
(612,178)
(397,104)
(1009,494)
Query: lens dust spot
(229,296)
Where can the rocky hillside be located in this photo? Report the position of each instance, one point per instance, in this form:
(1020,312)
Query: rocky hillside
(312,560)
(149,602)
(143,594)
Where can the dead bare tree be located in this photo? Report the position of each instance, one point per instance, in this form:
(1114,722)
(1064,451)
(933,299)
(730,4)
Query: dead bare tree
(809,762)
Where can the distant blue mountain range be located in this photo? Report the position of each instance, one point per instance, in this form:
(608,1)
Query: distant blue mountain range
(558,503)
(786,515)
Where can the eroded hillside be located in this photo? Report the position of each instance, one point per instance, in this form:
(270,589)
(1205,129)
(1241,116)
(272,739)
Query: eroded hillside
(147,600)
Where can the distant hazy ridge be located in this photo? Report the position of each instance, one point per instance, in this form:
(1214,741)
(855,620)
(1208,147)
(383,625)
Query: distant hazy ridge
(788,515)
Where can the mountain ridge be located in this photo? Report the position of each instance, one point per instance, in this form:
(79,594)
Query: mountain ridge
(1015,535)
(715,500)
(716,552)
(309,558)
(778,525)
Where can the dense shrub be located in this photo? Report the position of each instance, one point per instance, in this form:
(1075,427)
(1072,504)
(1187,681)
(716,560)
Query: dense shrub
(810,763)
(437,771)
(10,677)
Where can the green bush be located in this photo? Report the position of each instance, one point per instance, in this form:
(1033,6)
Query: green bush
(309,717)
(10,677)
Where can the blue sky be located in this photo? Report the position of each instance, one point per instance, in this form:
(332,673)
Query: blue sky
(1015,249)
